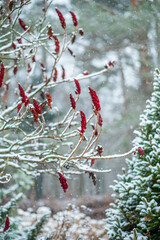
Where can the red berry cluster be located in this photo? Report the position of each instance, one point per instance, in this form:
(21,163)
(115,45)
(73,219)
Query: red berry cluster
(140,151)
(2,69)
(63,182)
(25,99)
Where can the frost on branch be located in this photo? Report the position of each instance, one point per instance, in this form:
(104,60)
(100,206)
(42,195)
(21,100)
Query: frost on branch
(32,130)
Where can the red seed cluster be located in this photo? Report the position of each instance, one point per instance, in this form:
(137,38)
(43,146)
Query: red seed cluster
(99,150)
(83,122)
(19,107)
(42,105)
(50,32)
(33,58)
(43,67)
(78,87)
(29,68)
(63,72)
(140,151)
(19,40)
(15,69)
(95,99)
(2,70)
(85,73)
(111,63)
(92,162)
(49,99)
(22,24)
(75,22)
(25,99)
(100,120)
(35,114)
(14,45)
(22,93)
(81,31)
(57,44)
(71,52)
(7,224)
(37,107)
(61,18)
(95,130)
(73,39)
(73,102)
(55,75)
(63,182)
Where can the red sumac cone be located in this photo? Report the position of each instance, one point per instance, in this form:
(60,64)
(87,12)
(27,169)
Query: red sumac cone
(95,99)
(49,32)
(22,24)
(19,107)
(73,102)
(43,67)
(37,107)
(2,70)
(25,99)
(83,122)
(55,75)
(73,39)
(57,44)
(78,87)
(63,182)
(92,162)
(63,72)
(141,151)
(15,69)
(49,99)
(33,58)
(19,40)
(111,63)
(75,22)
(14,45)
(7,224)
(71,52)
(61,18)
(100,120)
(29,68)
(35,114)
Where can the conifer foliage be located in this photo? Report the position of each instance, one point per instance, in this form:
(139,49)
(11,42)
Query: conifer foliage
(136,211)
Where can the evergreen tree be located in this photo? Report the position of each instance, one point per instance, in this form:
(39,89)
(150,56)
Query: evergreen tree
(136,211)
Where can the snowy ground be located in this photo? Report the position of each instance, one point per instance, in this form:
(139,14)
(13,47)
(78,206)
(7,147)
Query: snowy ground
(70,224)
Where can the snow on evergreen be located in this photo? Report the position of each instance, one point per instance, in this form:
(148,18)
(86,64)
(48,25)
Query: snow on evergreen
(136,211)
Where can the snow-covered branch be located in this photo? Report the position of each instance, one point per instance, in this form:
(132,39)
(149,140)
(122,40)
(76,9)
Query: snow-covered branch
(28,138)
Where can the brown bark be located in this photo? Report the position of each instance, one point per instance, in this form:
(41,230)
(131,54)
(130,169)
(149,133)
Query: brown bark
(157,33)
(145,69)
(134,3)
(123,82)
